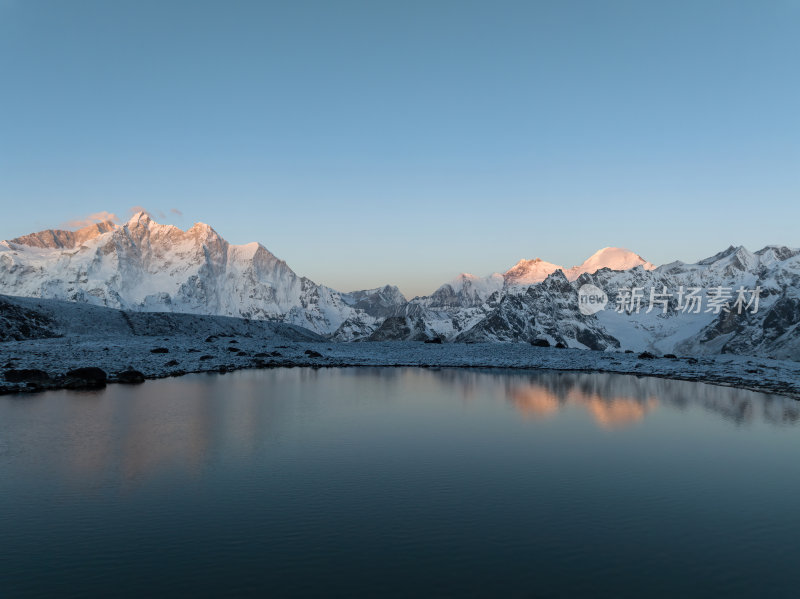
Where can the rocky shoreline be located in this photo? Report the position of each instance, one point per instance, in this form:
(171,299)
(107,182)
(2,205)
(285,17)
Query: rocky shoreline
(91,363)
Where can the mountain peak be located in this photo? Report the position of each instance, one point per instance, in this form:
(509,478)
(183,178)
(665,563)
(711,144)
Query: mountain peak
(201,228)
(141,217)
(613,258)
(64,239)
(528,272)
(777,252)
(730,251)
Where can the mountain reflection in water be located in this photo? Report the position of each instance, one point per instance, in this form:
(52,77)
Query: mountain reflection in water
(177,422)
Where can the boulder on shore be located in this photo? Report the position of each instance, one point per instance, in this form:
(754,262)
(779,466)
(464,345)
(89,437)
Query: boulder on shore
(89,377)
(30,376)
(130,377)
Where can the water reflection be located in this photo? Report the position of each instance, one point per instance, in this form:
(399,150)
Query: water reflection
(184,424)
(623,399)
(534,400)
(620,400)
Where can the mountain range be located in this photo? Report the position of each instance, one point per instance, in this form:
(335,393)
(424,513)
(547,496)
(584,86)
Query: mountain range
(145,266)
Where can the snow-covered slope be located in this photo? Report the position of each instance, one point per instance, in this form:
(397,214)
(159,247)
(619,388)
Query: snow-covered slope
(145,266)
(548,310)
(23,318)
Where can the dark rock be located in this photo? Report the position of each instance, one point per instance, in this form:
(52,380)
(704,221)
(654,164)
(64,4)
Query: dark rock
(261,355)
(89,373)
(671,356)
(595,339)
(242,353)
(233,341)
(130,377)
(276,354)
(86,378)
(437,340)
(233,349)
(392,328)
(628,351)
(540,343)
(206,357)
(193,351)
(28,375)
(312,354)
(159,350)
(646,355)
(560,345)
(784,314)
(172,363)
(211,338)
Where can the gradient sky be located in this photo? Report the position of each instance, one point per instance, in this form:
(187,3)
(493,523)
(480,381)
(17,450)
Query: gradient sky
(404,142)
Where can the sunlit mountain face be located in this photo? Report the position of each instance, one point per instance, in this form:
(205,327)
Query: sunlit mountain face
(146,266)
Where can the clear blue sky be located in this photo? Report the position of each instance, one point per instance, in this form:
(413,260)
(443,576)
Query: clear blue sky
(405,142)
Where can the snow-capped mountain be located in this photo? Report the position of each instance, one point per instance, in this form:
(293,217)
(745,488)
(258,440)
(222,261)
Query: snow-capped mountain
(528,272)
(771,328)
(143,265)
(610,258)
(458,306)
(468,288)
(550,310)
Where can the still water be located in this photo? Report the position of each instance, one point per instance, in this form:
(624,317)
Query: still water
(400,482)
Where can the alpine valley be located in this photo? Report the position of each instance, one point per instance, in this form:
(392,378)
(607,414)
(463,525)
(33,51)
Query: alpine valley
(143,266)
